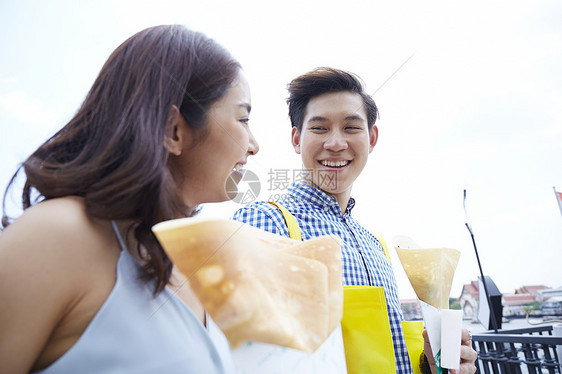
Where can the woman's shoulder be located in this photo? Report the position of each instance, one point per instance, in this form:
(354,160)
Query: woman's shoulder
(53,213)
(57,228)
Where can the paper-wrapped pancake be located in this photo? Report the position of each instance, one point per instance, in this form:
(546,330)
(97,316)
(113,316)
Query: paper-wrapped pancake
(258,286)
(430,270)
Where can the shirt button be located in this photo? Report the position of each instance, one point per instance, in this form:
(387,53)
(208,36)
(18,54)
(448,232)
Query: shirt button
(326,208)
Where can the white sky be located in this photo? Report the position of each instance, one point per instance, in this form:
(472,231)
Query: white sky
(479,106)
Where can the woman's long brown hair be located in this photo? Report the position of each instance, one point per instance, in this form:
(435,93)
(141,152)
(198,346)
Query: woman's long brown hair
(112,152)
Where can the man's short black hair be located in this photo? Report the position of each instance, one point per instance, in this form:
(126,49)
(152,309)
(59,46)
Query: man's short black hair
(325,80)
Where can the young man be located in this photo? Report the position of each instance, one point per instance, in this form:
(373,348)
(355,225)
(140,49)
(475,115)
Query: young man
(333,129)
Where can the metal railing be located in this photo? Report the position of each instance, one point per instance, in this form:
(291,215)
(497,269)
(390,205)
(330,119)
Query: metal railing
(518,351)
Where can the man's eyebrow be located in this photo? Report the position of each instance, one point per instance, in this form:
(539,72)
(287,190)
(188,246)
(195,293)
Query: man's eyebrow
(317,119)
(354,117)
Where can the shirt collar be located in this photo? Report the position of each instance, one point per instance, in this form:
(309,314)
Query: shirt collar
(318,198)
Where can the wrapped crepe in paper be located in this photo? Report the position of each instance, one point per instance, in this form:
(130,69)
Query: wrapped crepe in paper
(431,271)
(257,286)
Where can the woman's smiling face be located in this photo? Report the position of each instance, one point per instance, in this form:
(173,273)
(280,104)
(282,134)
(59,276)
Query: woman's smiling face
(207,165)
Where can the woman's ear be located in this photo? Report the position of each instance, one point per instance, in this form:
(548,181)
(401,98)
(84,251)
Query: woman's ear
(296,140)
(175,135)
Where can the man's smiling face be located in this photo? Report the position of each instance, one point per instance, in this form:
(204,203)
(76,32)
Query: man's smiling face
(335,141)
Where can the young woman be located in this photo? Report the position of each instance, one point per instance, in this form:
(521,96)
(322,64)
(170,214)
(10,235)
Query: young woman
(84,285)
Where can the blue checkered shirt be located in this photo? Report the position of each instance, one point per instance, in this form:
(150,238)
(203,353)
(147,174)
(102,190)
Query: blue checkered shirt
(364,261)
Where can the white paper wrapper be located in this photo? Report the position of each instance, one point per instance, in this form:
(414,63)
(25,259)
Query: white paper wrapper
(444,328)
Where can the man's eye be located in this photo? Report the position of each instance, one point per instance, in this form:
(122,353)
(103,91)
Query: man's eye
(245,121)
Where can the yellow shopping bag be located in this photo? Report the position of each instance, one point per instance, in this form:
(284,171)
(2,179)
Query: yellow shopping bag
(366,331)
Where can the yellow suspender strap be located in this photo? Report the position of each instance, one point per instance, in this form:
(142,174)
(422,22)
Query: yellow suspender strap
(295,232)
(384,247)
(292,225)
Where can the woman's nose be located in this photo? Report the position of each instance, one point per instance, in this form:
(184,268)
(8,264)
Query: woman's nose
(253,147)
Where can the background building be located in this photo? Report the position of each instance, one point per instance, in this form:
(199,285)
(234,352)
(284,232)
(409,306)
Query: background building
(535,299)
